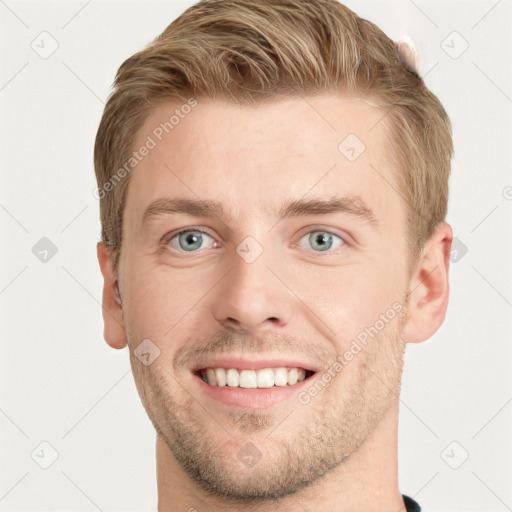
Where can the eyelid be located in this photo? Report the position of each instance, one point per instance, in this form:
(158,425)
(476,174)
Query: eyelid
(342,234)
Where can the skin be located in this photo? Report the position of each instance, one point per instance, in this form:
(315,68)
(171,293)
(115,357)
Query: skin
(339,451)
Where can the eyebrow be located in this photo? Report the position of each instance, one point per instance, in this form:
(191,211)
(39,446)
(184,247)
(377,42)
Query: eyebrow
(352,205)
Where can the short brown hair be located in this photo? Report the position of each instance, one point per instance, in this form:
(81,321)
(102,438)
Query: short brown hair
(251,50)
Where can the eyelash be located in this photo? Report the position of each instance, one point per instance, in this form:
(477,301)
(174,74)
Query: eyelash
(167,239)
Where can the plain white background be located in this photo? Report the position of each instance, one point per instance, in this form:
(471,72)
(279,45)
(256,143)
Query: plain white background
(60,382)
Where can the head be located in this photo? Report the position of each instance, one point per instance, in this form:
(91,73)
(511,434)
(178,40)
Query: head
(261,106)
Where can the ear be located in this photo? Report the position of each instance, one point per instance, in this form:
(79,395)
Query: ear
(113,332)
(429,287)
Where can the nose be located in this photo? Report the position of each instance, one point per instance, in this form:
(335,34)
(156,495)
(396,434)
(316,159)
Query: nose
(251,298)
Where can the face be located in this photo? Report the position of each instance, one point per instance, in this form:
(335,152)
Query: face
(292,279)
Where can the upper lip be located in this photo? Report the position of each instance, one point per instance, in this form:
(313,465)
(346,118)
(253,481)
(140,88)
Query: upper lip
(253,363)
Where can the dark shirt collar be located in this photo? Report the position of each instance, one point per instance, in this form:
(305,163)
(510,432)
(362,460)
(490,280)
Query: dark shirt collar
(410,504)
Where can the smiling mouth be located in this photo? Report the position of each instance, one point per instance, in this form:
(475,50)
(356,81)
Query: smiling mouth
(263,378)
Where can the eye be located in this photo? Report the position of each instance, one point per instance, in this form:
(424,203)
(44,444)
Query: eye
(189,240)
(322,241)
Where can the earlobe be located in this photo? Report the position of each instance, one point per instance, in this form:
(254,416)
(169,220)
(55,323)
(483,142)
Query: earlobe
(429,287)
(114,331)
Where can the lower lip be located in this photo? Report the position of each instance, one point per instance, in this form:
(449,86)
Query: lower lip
(251,398)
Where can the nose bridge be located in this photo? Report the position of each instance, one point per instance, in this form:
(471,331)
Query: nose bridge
(251,297)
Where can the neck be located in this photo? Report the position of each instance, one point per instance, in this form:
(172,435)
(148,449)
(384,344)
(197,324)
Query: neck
(367,481)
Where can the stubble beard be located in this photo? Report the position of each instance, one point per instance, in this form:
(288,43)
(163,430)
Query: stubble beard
(339,420)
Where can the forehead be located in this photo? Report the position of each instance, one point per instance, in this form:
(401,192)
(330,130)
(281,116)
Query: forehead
(254,158)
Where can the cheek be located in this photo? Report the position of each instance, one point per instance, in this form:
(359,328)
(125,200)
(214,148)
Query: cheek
(163,301)
(148,299)
(353,299)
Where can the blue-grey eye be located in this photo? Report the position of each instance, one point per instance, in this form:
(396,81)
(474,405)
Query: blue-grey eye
(323,240)
(189,240)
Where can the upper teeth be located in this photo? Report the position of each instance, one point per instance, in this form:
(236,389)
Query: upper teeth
(251,379)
